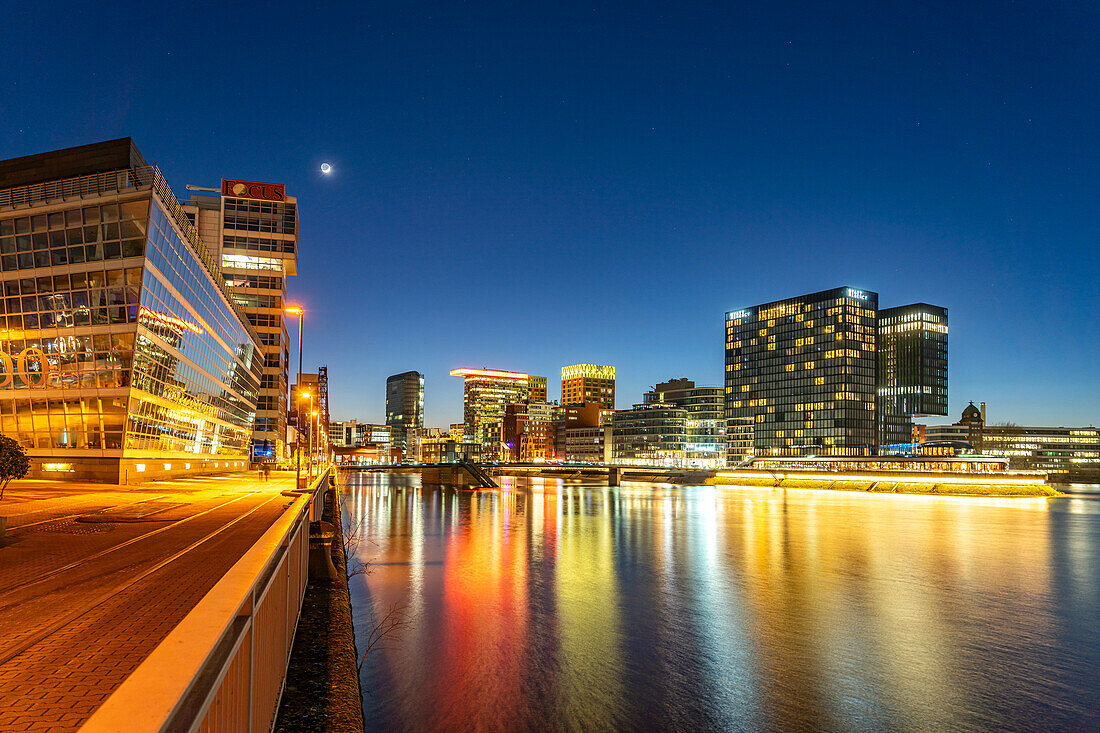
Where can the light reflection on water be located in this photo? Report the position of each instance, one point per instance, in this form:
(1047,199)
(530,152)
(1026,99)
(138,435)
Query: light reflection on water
(560,606)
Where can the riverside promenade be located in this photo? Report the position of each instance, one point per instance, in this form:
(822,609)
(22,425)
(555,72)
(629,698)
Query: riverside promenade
(93,577)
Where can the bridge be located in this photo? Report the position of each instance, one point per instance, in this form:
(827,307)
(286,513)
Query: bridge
(480,475)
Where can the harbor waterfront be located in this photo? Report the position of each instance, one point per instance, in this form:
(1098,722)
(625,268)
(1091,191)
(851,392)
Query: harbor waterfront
(552,605)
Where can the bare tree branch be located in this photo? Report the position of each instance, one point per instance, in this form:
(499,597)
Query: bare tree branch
(391,625)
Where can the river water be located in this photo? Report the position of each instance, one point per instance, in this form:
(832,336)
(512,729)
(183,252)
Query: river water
(551,606)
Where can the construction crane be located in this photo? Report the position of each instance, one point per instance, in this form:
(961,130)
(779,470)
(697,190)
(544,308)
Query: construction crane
(322,396)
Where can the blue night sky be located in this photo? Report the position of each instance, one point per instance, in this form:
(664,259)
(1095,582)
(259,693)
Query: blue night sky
(525,186)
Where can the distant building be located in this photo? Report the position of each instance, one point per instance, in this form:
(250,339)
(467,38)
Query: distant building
(404,405)
(536,388)
(912,369)
(568,417)
(585,383)
(1072,451)
(739,440)
(705,439)
(342,433)
(654,433)
(485,394)
(528,431)
(588,444)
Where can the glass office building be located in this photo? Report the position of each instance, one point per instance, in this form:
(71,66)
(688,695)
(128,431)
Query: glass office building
(705,436)
(804,370)
(912,370)
(485,394)
(404,406)
(124,358)
(252,231)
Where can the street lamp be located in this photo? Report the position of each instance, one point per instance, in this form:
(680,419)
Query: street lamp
(296,310)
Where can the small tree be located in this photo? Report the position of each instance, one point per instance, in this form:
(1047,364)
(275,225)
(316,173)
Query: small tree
(13,462)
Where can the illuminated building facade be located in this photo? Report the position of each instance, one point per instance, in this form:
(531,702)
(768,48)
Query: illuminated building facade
(705,437)
(536,388)
(404,406)
(252,231)
(528,431)
(912,369)
(653,433)
(486,392)
(126,358)
(583,383)
(1073,452)
(804,370)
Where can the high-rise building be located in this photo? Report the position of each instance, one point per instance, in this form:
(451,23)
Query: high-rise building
(804,370)
(128,358)
(581,383)
(252,232)
(536,388)
(705,436)
(485,394)
(404,406)
(912,369)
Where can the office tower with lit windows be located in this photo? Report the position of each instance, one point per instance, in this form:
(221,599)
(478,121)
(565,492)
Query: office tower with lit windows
(912,370)
(804,369)
(404,406)
(583,383)
(128,359)
(486,392)
(536,388)
(252,232)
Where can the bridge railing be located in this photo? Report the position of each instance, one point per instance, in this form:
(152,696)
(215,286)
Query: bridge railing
(223,667)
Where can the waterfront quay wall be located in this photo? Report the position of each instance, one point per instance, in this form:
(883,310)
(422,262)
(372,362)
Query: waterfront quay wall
(322,682)
(881,482)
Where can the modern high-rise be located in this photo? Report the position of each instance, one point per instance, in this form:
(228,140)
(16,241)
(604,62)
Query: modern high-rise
(404,406)
(252,231)
(582,383)
(127,357)
(912,369)
(804,370)
(486,392)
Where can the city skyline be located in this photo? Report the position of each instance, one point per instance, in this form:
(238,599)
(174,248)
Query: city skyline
(655,171)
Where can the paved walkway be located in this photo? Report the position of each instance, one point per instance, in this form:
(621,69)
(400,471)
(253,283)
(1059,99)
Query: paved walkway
(93,577)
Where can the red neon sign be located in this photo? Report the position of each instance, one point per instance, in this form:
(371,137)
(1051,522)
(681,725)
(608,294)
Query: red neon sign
(253,190)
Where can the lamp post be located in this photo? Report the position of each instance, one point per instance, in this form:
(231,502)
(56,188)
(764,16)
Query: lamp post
(296,310)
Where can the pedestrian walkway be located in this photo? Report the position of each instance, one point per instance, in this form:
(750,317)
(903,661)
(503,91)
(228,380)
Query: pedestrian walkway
(93,577)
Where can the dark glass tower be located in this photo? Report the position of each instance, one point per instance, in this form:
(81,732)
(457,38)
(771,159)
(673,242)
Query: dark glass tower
(804,370)
(404,406)
(912,368)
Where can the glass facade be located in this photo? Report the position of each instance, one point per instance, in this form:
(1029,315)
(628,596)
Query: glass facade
(257,245)
(116,342)
(705,436)
(404,406)
(912,368)
(804,369)
(649,434)
(486,392)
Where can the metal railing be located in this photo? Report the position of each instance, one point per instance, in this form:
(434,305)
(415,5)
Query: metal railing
(144,178)
(222,668)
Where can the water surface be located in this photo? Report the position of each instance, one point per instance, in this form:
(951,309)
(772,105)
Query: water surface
(649,607)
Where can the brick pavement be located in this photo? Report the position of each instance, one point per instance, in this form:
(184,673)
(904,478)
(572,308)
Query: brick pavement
(76,654)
